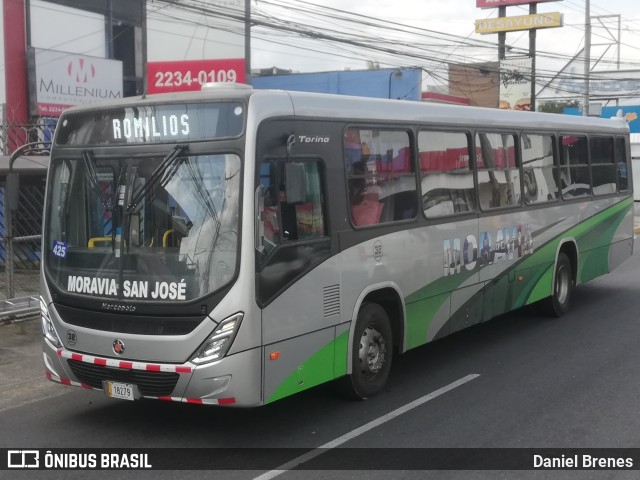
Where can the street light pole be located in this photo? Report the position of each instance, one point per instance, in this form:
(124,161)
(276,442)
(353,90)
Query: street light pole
(587,56)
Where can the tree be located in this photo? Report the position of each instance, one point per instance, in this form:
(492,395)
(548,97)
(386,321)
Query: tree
(554,106)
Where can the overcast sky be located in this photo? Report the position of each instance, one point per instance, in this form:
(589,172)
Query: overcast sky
(176,36)
(291,51)
(458,17)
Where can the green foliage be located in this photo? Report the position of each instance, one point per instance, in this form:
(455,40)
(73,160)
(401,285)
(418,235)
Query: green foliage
(557,107)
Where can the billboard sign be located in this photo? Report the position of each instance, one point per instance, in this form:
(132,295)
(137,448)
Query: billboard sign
(602,85)
(59,80)
(515,84)
(506,3)
(191,75)
(519,22)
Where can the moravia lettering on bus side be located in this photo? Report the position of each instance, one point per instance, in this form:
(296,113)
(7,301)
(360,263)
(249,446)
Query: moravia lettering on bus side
(130,288)
(145,128)
(504,244)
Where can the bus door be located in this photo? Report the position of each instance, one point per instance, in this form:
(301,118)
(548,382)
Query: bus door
(297,282)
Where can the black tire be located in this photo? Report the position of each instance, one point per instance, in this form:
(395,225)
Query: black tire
(372,352)
(563,284)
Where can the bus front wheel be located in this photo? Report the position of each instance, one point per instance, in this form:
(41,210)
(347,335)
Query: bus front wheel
(372,351)
(560,301)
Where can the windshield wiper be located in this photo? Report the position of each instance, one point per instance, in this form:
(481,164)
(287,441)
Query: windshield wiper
(162,173)
(87,157)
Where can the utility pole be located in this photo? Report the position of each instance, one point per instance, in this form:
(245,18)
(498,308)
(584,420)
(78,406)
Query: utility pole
(502,36)
(247,41)
(587,56)
(532,53)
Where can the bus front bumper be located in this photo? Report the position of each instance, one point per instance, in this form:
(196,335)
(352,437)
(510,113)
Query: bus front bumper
(234,381)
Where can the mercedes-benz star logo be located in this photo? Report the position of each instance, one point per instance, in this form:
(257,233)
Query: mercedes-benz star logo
(118,346)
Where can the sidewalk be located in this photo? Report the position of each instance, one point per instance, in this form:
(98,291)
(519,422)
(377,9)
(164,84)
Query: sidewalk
(22,368)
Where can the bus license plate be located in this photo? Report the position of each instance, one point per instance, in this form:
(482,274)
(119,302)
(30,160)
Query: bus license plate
(125,391)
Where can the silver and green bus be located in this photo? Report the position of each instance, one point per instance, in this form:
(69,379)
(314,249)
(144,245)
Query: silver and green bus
(236,246)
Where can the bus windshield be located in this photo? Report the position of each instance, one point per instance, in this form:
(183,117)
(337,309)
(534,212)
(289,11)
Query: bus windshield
(145,227)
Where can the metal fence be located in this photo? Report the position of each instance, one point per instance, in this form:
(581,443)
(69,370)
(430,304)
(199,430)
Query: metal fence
(14,136)
(21,230)
(20,249)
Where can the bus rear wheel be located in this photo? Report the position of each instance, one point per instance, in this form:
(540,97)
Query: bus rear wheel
(560,301)
(372,352)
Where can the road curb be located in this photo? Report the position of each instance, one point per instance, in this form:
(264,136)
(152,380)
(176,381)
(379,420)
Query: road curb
(20,319)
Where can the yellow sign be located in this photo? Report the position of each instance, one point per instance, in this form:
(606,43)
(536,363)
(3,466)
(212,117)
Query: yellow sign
(520,22)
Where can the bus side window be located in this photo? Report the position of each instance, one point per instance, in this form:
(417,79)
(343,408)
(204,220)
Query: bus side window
(445,173)
(498,173)
(303,186)
(380,176)
(603,165)
(269,214)
(575,176)
(293,202)
(622,166)
(539,168)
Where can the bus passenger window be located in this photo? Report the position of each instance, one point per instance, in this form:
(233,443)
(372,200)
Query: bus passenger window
(575,180)
(603,166)
(540,174)
(380,176)
(445,174)
(498,174)
(622,164)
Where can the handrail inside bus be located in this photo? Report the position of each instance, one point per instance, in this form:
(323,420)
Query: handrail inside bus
(92,241)
(165,237)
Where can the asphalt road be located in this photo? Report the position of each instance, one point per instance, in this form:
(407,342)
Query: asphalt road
(542,383)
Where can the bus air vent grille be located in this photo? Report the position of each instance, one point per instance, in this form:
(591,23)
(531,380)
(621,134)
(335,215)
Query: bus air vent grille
(155,384)
(331,296)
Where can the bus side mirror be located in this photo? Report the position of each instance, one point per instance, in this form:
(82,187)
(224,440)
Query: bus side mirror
(12,191)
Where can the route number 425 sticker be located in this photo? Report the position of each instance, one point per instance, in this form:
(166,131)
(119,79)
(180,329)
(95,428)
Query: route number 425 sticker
(59,249)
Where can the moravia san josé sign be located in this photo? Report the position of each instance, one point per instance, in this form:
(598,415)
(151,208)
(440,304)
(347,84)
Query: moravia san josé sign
(59,80)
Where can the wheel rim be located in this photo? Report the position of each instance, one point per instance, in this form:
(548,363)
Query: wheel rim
(372,352)
(562,284)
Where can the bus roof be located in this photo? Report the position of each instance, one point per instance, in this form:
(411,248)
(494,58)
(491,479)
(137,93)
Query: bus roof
(321,105)
(340,106)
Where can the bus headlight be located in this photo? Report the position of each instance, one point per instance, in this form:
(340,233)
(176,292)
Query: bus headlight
(217,345)
(48,330)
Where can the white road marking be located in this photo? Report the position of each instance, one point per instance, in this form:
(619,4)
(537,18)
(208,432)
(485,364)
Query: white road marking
(365,428)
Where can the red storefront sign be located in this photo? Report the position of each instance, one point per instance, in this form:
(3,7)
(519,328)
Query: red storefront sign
(191,75)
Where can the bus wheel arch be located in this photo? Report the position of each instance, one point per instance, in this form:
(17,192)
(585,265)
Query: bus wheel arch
(564,280)
(377,329)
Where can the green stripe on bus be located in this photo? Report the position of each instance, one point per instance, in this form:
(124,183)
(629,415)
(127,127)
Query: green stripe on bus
(314,370)
(593,235)
(542,288)
(419,316)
